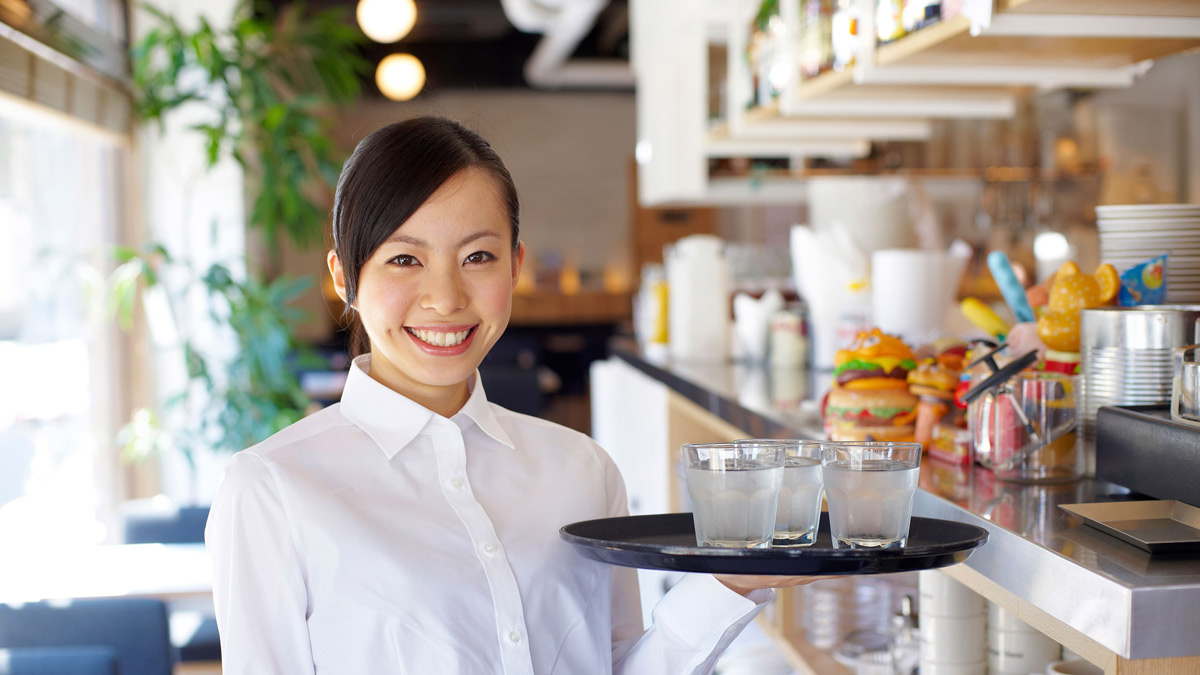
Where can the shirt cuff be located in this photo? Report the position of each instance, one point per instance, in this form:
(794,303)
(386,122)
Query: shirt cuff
(699,607)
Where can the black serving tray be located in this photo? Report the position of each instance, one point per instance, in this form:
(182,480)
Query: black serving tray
(668,542)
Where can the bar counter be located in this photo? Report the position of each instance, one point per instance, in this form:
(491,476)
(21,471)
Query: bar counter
(1114,604)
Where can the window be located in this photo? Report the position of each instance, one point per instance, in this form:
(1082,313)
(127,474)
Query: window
(61,189)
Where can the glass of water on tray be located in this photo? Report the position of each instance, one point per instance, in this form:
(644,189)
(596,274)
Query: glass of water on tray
(734,489)
(870,486)
(799,510)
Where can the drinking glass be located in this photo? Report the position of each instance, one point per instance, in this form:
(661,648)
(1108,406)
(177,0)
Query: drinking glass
(799,510)
(870,486)
(734,489)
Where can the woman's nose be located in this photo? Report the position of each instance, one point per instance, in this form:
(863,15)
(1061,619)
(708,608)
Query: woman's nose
(443,292)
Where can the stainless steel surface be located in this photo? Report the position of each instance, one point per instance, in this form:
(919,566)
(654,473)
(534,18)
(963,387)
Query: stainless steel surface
(1158,525)
(1133,603)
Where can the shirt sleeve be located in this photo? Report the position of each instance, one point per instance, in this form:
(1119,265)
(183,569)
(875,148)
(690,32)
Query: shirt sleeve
(690,627)
(258,586)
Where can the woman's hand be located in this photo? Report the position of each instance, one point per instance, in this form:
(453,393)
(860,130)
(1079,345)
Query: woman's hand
(742,584)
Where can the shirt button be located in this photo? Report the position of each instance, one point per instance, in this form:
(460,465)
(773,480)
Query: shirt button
(490,547)
(515,636)
(457,482)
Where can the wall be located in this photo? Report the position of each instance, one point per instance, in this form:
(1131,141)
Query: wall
(1155,124)
(569,153)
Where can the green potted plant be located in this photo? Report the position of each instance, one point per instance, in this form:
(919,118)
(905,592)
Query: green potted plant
(272,83)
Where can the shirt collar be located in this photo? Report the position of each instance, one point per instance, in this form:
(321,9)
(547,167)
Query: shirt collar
(480,411)
(394,420)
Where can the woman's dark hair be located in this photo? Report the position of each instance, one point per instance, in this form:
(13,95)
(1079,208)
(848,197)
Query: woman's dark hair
(390,175)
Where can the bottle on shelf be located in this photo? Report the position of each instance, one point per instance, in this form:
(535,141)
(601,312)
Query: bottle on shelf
(904,641)
(844,38)
(889,23)
(816,35)
(918,14)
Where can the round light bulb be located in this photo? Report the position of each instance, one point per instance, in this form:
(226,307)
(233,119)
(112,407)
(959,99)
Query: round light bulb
(386,20)
(400,76)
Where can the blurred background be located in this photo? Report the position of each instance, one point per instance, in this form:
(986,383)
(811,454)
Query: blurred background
(166,173)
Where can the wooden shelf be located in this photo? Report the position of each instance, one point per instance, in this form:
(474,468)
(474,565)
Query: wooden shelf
(1161,8)
(950,43)
(802,657)
(1030,43)
(556,309)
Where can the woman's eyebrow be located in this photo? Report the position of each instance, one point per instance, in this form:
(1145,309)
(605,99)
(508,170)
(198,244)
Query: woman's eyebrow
(405,239)
(399,238)
(478,235)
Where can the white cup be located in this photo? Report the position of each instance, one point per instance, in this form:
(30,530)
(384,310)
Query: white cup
(1020,652)
(911,289)
(1072,667)
(944,597)
(1003,620)
(953,639)
(936,668)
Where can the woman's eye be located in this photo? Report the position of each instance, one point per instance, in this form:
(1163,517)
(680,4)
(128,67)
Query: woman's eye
(404,261)
(479,257)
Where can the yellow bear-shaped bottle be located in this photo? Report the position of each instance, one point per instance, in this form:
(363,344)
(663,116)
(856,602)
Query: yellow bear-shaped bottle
(1072,292)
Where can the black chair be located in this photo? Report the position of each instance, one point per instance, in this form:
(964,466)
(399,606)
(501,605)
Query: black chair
(195,638)
(58,661)
(183,525)
(132,629)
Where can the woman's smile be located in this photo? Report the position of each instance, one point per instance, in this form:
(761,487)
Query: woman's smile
(442,340)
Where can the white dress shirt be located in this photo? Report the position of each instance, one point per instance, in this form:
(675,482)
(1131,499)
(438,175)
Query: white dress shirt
(376,536)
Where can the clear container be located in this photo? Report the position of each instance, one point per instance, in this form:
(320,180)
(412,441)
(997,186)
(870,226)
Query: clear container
(1028,426)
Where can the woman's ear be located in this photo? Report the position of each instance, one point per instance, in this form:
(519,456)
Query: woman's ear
(338,274)
(518,259)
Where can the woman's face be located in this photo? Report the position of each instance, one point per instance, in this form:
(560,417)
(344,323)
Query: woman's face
(437,294)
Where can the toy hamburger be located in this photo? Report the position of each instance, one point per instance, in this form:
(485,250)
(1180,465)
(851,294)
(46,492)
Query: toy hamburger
(870,399)
(934,382)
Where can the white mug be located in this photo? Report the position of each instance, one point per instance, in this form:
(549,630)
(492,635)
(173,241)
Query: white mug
(1020,652)
(936,668)
(953,639)
(1072,667)
(942,596)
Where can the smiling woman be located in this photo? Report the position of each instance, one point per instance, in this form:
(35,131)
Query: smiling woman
(437,294)
(413,526)
(424,252)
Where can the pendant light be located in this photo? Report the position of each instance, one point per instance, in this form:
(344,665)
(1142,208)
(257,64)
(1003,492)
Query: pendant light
(386,21)
(400,76)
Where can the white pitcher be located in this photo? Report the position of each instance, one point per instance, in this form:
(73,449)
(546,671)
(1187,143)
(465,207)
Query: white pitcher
(699,281)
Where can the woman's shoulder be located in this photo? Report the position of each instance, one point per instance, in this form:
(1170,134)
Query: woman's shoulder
(541,434)
(528,425)
(301,436)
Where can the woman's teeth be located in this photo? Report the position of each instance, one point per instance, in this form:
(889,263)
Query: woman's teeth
(440,338)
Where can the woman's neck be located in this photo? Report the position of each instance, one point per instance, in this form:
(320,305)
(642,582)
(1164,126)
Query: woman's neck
(445,401)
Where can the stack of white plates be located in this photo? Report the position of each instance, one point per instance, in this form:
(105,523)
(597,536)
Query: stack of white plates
(1131,234)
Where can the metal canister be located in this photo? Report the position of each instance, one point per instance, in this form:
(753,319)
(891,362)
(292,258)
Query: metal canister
(1127,358)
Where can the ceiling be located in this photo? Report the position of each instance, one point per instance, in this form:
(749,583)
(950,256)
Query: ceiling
(469,44)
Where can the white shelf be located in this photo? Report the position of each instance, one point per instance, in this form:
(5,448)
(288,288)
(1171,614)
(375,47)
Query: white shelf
(969,67)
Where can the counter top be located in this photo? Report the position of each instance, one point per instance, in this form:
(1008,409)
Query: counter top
(1060,571)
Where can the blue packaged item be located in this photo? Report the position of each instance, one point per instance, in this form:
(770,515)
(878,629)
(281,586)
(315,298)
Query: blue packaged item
(1144,284)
